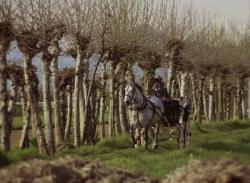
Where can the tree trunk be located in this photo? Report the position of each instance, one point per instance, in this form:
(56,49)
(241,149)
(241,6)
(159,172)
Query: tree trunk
(195,96)
(11,107)
(69,114)
(117,116)
(102,102)
(24,142)
(92,125)
(205,102)
(63,112)
(220,99)
(4,121)
(31,98)
(228,104)
(82,109)
(200,100)
(57,102)
(235,106)
(112,101)
(183,78)
(148,75)
(49,132)
(170,76)
(239,98)
(122,107)
(78,82)
(249,98)
(211,111)
(97,105)
(83,104)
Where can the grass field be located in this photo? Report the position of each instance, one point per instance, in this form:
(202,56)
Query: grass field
(227,139)
(18,118)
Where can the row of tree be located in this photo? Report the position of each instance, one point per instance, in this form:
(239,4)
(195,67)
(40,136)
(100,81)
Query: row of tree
(206,62)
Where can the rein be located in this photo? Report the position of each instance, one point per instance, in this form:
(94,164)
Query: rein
(144,105)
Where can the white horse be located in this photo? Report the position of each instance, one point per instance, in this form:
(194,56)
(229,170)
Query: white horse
(146,114)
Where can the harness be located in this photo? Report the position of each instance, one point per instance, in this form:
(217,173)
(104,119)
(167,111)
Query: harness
(144,105)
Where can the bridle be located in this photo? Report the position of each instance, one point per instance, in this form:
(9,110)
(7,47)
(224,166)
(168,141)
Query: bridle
(144,103)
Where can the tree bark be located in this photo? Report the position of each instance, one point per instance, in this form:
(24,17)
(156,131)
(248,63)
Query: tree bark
(24,142)
(148,75)
(49,132)
(239,98)
(57,102)
(82,110)
(112,101)
(78,82)
(4,121)
(248,98)
(31,98)
(63,112)
(195,96)
(117,116)
(235,105)
(11,107)
(205,109)
(170,76)
(122,108)
(183,78)
(220,99)
(200,100)
(83,104)
(69,114)
(102,102)
(228,104)
(211,110)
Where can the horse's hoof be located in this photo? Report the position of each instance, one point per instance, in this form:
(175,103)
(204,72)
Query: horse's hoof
(136,146)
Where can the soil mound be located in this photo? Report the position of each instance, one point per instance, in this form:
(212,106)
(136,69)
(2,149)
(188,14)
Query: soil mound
(70,170)
(213,171)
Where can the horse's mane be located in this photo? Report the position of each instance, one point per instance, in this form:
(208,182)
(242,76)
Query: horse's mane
(139,87)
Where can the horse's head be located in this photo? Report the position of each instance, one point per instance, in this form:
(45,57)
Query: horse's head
(130,93)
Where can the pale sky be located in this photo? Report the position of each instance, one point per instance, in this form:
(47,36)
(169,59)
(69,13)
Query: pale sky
(236,11)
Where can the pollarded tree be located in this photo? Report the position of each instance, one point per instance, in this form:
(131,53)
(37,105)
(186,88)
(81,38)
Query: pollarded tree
(6,36)
(126,24)
(14,73)
(27,35)
(66,85)
(50,31)
(175,26)
(151,61)
(79,18)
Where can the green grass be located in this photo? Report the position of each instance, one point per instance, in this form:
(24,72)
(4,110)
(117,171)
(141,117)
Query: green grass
(18,117)
(226,139)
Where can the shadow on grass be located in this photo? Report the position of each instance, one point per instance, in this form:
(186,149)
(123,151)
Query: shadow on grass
(235,125)
(200,129)
(4,161)
(226,147)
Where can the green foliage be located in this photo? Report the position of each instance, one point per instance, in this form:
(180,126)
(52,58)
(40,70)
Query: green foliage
(216,139)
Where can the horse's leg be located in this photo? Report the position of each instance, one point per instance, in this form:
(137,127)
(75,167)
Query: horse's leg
(185,134)
(180,136)
(132,135)
(142,133)
(144,137)
(155,141)
(137,137)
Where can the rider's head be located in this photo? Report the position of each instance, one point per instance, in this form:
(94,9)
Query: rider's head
(157,83)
